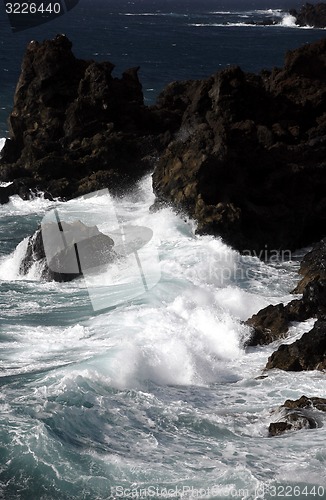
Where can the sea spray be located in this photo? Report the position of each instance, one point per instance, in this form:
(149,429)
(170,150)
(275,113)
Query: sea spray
(158,390)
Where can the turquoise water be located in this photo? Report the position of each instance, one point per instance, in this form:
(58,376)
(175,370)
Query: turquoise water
(152,394)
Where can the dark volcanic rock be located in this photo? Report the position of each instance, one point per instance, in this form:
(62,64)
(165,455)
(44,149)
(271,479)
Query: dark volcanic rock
(311,15)
(72,119)
(269,324)
(249,160)
(298,414)
(273,322)
(244,154)
(94,249)
(293,421)
(307,353)
(304,402)
(277,428)
(313,266)
(5,193)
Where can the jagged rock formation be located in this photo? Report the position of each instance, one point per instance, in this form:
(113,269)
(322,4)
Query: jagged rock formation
(311,15)
(303,413)
(75,128)
(307,353)
(273,322)
(249,160)
(313,266)
(246,159)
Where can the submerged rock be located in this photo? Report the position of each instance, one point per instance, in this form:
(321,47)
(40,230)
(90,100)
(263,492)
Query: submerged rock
(311,15)
(298,414)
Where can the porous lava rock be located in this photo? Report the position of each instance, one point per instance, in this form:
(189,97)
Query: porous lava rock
(249,160)
(313,266)
(302,413)
(76,128)
(306,353)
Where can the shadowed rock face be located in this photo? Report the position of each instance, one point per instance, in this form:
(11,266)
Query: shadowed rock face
(273,322)
(75,128)
(249,160)
(246,159)
(311,15)
(313,266)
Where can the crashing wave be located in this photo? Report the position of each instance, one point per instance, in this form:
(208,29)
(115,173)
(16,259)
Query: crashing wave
(289,21)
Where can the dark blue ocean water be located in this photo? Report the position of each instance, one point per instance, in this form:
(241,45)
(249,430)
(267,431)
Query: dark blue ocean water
(153,398)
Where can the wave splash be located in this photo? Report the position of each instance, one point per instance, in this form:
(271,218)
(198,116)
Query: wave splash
(256,18)
(186,330)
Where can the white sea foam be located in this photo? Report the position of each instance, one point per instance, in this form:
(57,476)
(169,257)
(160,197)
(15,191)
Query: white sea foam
(9,265)
(17,206)
(2,142)
(222,12)
(159,14)
(289,21)
(282,18)
(164,375)
(187,329)
(270,12)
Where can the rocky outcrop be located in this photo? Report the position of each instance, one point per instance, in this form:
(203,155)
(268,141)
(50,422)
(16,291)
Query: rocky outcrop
(249,160)
(268,325)
(80,249)
(75,128)
(307,353)
(243,154)
(303,413)
(313,266)
(311,15)
(272,322)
